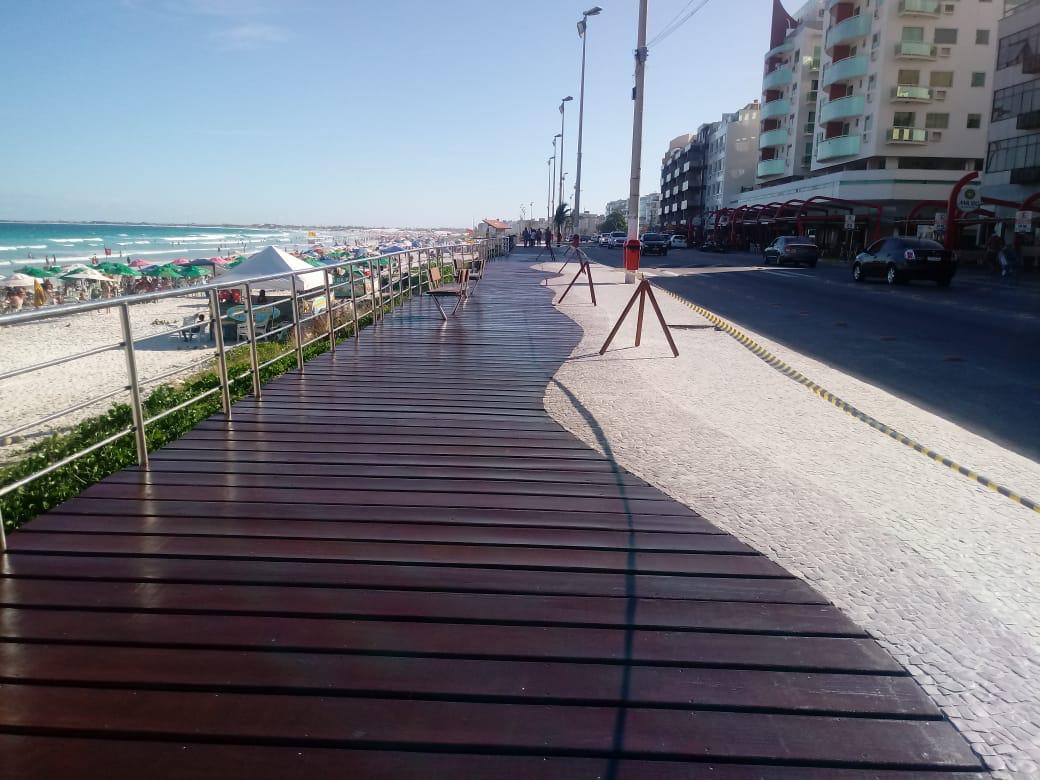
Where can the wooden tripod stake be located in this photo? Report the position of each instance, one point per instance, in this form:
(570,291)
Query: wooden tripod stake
(583,267)
(643,291)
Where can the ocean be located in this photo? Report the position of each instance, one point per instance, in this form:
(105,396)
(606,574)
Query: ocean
(24,243)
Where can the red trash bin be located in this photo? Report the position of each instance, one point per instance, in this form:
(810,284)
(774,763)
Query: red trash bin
(632,254)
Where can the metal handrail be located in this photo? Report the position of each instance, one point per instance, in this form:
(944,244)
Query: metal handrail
(388,285)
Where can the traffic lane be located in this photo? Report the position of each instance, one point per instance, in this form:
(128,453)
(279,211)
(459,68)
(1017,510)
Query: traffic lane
(976,367)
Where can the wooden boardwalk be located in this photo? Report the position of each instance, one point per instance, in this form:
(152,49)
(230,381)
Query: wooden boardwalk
(398,566)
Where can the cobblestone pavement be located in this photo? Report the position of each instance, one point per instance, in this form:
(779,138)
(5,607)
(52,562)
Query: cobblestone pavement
(942,571)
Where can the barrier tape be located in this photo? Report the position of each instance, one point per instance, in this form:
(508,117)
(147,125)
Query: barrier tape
(761,352)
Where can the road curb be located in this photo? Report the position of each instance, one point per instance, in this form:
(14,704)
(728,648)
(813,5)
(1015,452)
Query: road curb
(761,352)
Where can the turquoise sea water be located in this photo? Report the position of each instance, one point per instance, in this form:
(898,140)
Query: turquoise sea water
(32,242)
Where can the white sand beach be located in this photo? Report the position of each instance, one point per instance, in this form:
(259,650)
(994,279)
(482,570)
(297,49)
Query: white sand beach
(36,395)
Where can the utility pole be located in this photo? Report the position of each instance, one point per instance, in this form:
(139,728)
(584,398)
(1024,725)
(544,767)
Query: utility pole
(632,245)
(563,116)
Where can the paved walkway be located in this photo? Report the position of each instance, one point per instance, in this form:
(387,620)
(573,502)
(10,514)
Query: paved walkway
(398,566)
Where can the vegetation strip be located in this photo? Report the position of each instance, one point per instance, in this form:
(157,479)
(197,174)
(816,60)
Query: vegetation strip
(801,379)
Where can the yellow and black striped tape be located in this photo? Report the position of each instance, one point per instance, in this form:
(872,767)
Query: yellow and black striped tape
(799,377)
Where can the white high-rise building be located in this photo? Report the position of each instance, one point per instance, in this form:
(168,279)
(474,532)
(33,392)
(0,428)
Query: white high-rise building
(789,93)
(650,210)
(731,157)
(902,106)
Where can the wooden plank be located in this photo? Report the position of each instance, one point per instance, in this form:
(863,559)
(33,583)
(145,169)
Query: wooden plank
(391,576)
(548,729)
(550,682)
(795,619)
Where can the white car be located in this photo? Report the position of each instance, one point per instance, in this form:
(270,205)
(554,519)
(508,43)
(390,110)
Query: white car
(679,242)
(616,239)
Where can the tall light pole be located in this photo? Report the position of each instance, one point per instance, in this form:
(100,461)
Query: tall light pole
(552,188)
(582,31)
(548,195)
(563,116)
(632,245)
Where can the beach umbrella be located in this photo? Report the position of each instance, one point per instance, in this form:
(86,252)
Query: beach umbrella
(34,270)
(89,274)
(161,272)
(139,263)
(122,270)
(180,261)
(19,280)
(74,268)
(192,272)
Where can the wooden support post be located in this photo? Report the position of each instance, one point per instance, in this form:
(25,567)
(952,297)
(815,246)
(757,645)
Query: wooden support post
(643,291)
(585,268)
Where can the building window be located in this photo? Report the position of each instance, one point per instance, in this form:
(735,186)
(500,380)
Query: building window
(946,35)
(982,37)
(978,79)
(974,121)
(1018,45)
(910,78)
(941,78)
(936,121)
(1021,152)
(903,119)
(1012,101)
(913,35)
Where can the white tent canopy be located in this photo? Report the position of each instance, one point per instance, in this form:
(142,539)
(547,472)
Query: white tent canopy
(271,260)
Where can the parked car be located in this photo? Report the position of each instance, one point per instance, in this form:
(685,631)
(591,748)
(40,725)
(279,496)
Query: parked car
(679,242)
(711,245)
(603,239)
(792,249)
(654,244)
(900,259)
(617,239)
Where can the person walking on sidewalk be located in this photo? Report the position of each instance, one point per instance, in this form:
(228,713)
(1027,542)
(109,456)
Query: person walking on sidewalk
(994,244)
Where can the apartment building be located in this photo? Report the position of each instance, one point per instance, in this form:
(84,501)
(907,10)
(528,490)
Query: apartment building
(682,181)
(903,105)
(650,211)
(731,157)
(1013,158)
(619,206)
(789,93)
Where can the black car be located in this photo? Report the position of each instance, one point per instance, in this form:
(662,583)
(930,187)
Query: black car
(792,249)
(900,259)
(655,243)
(711,245)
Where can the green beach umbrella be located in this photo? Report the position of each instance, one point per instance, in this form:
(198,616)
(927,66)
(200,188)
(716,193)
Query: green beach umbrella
(162,272)
(116,269)
(193,272)
(37,271)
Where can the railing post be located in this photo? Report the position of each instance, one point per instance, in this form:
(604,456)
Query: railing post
(353,301)
(376,282)
(329,313)
(217,326)
(297,325)
(136,407)
(254,361)
(3,534)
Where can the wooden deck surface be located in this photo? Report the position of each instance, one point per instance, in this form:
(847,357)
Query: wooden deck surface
(398,566)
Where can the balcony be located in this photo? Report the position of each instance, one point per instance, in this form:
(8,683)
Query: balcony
(909,93)
(912,50)
(1030,120)
(774,167)
(780,77)
(772,138)
(846,69)
(775,108)
(853,105)
(919,8)
(783,48)
(850,29)
(906,135)
(842,146)
(832,3)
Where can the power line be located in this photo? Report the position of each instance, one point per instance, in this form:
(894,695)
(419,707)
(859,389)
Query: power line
(678,21)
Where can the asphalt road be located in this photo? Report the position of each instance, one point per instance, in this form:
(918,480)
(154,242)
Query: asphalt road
(970,353)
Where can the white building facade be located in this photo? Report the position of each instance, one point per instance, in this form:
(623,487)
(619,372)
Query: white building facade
(731,157)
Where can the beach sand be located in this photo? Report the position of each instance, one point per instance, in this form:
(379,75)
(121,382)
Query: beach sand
(27,398)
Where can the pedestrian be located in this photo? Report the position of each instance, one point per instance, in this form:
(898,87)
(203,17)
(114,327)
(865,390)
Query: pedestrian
(1008,264)
(993,246)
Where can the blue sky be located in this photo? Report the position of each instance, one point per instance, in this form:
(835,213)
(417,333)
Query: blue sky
(381,112)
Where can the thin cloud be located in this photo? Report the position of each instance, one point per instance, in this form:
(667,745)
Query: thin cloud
(249,35)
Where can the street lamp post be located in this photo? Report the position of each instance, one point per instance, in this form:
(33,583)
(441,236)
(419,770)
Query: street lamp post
(582,31)
(563,115)
(632,245)
(552,187)
(548,196)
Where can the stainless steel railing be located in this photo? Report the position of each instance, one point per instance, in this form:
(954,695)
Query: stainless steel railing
(390,278)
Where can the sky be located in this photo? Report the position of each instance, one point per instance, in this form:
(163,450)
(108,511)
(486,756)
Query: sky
(387,112)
